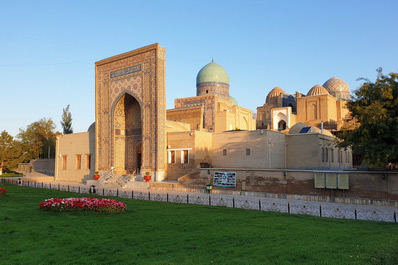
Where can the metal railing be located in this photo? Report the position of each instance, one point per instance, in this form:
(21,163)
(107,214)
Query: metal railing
(253,203)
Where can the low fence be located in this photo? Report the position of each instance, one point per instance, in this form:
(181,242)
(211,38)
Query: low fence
(328,211)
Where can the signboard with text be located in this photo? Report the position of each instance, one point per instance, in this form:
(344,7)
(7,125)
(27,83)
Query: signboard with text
(225,179)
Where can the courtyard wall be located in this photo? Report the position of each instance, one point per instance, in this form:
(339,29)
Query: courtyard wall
(362,184)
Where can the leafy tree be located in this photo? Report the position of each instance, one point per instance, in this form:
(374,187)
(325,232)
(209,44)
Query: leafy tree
(375,108)
(67,121)
(39,139)
(10,152)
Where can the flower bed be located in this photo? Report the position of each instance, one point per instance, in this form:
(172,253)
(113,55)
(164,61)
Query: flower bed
(3,192)
(83,204)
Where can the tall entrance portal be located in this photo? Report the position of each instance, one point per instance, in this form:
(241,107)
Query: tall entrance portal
(127,131)
(130,112)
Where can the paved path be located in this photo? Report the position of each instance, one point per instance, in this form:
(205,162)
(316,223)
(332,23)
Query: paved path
(324,209)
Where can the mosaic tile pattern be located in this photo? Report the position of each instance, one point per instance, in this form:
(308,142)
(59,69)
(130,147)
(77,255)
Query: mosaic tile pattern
(338,88)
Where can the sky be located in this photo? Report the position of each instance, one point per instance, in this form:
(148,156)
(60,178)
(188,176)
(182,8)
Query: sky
(48,48)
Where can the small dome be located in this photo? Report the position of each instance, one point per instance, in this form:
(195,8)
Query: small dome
(233,101)
(302,128)
(317,90)
(297,128)
(274,93)
(338,88)
(91,129)
(212,72)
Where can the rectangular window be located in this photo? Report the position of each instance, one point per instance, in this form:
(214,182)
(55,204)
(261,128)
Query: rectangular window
(332,155)
(88,161)
(78,161)
(247,152)
(184,157)
(172,157)
(64,160)
(323,154)
(224,152)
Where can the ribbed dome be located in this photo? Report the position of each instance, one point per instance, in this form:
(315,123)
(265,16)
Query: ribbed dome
(338,88)
(317,90)
(212,72)
(274,94)
(233,101)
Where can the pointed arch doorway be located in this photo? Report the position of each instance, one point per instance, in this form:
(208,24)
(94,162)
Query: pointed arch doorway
(127,135)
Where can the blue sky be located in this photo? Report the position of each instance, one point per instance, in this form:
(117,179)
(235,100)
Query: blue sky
(48,48)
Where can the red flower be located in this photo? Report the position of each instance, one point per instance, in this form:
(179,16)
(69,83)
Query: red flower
(3,192)
(74,204)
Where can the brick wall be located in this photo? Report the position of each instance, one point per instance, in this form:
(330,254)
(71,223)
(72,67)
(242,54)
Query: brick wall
(366,184)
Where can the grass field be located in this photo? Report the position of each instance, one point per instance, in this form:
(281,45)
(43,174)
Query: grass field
(166,233)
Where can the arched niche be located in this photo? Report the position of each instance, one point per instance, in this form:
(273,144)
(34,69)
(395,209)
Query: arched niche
(280,122)
(281,125)
(127,134)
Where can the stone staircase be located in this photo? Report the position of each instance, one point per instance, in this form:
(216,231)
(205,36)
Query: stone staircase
(110,179)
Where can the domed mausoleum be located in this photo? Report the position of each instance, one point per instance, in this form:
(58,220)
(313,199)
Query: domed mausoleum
(273,95)
(322,105)
(277,97)
(213,109)
(338,88)
(212,79)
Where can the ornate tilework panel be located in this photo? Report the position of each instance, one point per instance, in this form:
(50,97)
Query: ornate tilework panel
(146,85)
(130,84)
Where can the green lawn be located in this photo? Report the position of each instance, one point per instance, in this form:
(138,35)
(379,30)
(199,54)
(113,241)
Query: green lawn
(167,233)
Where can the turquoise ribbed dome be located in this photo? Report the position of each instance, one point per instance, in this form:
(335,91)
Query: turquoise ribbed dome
(212,72)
